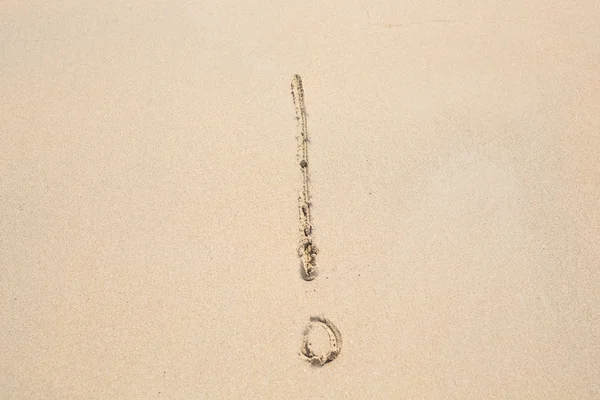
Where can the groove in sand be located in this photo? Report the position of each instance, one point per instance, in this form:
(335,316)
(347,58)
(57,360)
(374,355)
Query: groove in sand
(307,250)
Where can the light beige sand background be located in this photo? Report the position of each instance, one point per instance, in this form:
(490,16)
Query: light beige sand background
(148,190)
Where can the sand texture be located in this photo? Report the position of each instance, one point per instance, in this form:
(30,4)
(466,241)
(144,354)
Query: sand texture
(151,200)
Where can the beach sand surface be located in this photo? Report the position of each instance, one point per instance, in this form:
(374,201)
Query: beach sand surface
(149,199)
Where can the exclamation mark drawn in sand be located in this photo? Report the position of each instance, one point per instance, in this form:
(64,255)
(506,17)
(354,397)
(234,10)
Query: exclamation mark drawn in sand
(307,251)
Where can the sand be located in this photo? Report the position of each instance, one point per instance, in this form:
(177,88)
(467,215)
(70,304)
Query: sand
(149,189)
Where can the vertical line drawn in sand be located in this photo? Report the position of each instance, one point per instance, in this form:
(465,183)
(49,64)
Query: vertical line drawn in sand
(307,250)
(335,342)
